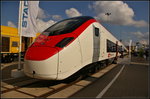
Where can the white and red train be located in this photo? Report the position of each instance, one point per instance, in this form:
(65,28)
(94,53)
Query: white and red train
(70,46)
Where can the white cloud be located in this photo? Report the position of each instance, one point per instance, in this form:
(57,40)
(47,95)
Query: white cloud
(142,37)
(72,12)
(121,13)
(145,42)
(126,43)
(138,34)
(11,24)
(42,14)
(42,25)
(56,17)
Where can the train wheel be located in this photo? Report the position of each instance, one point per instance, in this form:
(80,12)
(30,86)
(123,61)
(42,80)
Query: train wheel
(115,61)
(96,68)
(11,59)
(93,69)
(103,64)
(6,59)
(99,66)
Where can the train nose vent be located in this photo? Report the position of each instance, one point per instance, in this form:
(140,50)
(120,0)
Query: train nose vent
(42,43)
(33,72)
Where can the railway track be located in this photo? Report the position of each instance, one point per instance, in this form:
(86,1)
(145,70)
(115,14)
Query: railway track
(32,88)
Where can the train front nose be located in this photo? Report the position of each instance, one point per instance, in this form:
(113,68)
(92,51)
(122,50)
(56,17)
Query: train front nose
(41,62)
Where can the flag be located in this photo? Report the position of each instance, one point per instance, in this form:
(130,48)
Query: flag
(28,15)
(130,43)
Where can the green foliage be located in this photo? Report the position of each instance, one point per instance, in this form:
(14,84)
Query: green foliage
(141,52)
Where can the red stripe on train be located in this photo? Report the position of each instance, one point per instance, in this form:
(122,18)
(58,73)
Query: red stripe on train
(44,47)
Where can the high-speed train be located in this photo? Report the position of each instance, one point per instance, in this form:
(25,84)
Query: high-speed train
(69,46)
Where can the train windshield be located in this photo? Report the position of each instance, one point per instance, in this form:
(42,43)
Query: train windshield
(65,26)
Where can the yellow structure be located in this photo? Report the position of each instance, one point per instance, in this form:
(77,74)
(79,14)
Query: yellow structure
(10,39)
(10,42)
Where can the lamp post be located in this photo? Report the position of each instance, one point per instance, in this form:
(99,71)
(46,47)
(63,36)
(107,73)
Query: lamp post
(120,34)
(130,45)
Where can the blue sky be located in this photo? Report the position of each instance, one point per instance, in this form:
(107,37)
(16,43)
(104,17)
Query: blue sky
(128,20)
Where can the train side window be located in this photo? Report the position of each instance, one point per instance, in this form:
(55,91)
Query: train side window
(14,44)
(111,47)
(96,31)
(5,44)
(119,48)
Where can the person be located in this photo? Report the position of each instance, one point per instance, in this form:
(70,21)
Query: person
(122,50)
(146,54)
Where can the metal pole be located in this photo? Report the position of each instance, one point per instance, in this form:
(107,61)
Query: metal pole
(20,32)
(120,34)
(130,50)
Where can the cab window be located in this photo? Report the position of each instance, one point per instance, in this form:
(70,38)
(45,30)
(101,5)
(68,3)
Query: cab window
(65,26)
(96,31)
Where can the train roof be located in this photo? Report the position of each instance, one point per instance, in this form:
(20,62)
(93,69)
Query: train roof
(81,17)
(66,25)
(10,31)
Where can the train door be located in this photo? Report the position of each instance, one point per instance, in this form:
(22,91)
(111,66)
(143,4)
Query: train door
(69,60)
(96,44)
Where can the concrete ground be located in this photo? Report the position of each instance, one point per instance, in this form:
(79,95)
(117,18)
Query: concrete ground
(131,83)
